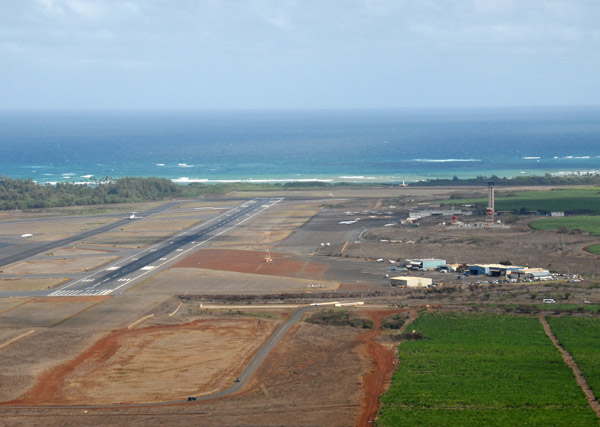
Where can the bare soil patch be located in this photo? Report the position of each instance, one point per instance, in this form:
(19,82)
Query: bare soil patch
(199,280)
(49,230)
(142,232)
(154,363)
(57,266)
(29,284)
(43,312)
(384,361)
(254,262)
(76,250)
(271,227)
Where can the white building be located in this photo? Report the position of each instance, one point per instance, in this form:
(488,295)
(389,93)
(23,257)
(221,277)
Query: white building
(410,282)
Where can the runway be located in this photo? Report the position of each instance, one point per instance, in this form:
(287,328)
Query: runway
(125,272)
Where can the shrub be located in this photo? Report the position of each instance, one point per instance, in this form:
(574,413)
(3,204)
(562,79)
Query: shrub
(337,317)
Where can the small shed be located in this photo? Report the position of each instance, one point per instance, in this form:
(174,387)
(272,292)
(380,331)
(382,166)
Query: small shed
(410,282)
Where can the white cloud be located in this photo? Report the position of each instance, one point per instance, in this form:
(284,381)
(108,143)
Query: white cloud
(87,9)
(52,7)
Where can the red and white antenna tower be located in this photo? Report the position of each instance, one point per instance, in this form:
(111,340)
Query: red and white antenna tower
(490,209)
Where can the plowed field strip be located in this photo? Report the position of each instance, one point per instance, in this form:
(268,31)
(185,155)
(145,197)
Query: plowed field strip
(589,394)
(384,359)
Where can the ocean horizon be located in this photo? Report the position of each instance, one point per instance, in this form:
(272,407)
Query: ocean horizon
(357,146)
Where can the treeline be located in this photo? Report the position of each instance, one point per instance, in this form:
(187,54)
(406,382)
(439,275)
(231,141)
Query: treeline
(27,194)
(547,179)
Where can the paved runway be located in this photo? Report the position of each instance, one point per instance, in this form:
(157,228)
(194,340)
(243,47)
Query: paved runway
(123,273)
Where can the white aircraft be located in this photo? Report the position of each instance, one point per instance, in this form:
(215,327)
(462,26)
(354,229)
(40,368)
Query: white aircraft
(26,235)
(132,216)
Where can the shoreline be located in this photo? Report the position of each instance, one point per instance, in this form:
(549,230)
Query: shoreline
(332,179)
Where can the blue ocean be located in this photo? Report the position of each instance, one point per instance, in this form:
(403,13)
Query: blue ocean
(280,146)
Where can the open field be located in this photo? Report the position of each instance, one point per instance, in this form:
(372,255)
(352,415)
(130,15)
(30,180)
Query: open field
(9,303)
(118,208)
(589,224)
(142,233)
(48,230)
(482,370)
(255,262)
(312,378)
(569,200)
(57,266)
(154,363)
(44,312)
(29,284)
(580,336)
(203,281)
(275,225)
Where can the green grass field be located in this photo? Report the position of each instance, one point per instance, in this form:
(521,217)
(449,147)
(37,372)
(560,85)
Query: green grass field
(482,369)
(590,224)
(580,336)
(570,200)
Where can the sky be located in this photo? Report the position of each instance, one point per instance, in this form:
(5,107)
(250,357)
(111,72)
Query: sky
(298,54)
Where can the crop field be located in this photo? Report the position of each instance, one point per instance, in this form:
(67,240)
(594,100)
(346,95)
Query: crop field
(580,336)
(570,200)
(482,369)
(590,224)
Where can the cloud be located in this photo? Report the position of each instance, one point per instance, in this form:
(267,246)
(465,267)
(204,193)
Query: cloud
(87,9)
(93,10)
(51,7)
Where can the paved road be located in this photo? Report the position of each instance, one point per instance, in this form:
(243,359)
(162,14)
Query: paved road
(28,253)
(244,377)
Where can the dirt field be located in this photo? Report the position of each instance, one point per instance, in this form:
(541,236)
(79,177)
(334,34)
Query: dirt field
(76,251)
(43,312)
(198,280)
(154,363)
(64,265)
(316,376)
(64,327)
(51,230)
(254,262)
(274,225)
(29,284)
(142,232)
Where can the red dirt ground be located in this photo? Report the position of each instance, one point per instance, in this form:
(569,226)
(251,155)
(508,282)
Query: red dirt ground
(384,358)
(51,385)
(253,262)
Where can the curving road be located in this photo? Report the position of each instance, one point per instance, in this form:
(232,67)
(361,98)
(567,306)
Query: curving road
(238,385)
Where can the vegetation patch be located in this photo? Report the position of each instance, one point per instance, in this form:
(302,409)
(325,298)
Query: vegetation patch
(595,249)
(260,314)
(337,317)
(569,200)
(580,336)
(482,369)
(577,224)
(395,321)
